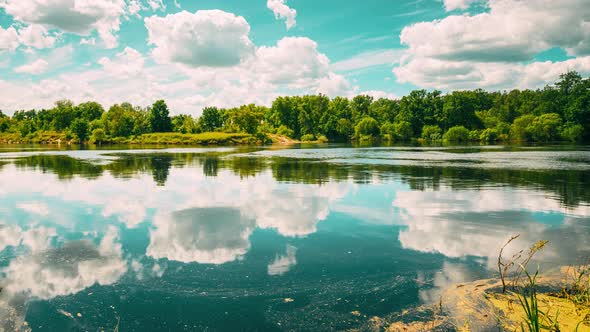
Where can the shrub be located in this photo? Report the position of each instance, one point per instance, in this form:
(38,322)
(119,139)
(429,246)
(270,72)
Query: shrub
(367,127)
(456,134)
(308,138)
(488,135)
(431,133)
(323,139)
(572,132)
(519,130)
(285,131)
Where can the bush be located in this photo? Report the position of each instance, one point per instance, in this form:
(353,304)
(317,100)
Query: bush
(488,135)
(285,131)
(308,138)
(456,134)
(323,139)
(265,128)
(519,130)
(545,127)
(367,127)
(572,132)
(431,133)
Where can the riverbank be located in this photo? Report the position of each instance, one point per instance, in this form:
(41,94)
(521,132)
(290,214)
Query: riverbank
(482,306)
(211,138)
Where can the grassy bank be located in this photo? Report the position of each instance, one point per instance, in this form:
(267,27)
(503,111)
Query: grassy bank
(212,138)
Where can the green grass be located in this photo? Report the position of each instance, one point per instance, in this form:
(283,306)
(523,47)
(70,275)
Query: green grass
(38,137)
(213,138)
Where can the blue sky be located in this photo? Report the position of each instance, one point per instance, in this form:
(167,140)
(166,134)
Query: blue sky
(230,52)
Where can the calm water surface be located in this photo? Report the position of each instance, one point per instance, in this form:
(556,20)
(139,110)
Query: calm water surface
(270,239)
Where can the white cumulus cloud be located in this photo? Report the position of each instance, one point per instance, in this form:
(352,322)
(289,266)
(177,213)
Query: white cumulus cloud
(8,39)
(210,38)
(36,36)
(282,11)
(496,49)
(76,16)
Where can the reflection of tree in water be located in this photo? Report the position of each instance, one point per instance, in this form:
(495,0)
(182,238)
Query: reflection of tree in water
(568,185)
(160,166)
(65,167)
(210,166)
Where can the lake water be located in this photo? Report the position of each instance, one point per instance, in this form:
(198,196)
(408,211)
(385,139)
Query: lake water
(228,239)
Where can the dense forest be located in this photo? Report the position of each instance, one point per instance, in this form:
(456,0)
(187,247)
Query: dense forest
(560,112)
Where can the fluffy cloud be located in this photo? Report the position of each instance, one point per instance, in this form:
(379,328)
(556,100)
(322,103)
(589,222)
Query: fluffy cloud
(36,36)
(334,85)
(156,4)
(295,61)
(76,16)
(128,63)
(207,236)
(35,239)
(210,38)
(512,31)
(36,67)
(451,75)
(8,39)
(208,52)
(494,49)
(282,11)
(437,222)
(65,270)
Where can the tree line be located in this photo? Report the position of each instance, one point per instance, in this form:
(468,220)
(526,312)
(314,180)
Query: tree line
(558,112)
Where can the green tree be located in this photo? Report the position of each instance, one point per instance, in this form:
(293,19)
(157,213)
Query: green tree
(403,130)
(388,131)
(210,120)
(62,115)
(90,111)
(80,128)
(118,120)
(99,136)
(160,117)
(359,107)
(545,127)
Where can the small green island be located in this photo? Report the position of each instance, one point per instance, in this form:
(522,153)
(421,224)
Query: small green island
(556,113)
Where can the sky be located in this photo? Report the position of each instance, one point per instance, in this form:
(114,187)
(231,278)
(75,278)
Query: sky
(225,53)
